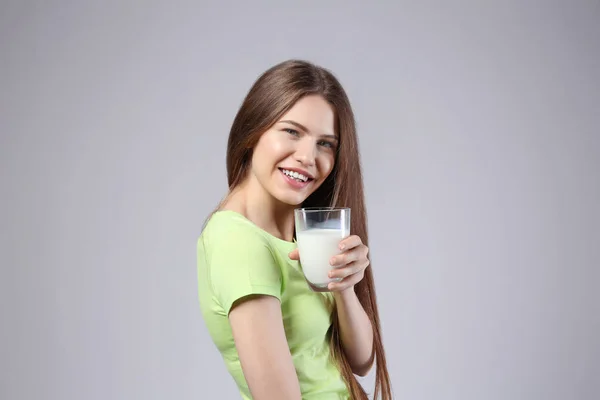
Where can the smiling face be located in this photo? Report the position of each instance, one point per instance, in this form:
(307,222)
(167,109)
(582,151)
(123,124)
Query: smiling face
(295,155)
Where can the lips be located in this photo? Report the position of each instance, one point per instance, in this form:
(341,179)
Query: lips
(297,173)
(295,179)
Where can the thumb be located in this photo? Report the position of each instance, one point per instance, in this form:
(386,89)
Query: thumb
(294,254)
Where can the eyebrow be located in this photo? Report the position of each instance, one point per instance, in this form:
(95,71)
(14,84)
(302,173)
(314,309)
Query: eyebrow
(299,125)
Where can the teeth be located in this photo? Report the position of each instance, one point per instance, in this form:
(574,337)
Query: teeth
(295,175)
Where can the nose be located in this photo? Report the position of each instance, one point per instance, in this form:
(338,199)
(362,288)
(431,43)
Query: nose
(305,152)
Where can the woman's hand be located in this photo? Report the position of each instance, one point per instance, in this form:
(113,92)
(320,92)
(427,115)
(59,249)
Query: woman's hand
(350,265)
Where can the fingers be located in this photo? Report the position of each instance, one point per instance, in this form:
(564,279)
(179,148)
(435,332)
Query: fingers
(350,256)
(349,266)
(294,254)
(347,282)
(350,269)
(350,242)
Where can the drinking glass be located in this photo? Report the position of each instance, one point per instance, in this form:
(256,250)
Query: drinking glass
(318,234)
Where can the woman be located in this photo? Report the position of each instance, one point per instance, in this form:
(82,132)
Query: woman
(293,143)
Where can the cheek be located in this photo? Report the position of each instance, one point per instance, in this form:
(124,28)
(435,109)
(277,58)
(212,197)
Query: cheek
(279,149)
(274,146)
(326,165)
(268,150)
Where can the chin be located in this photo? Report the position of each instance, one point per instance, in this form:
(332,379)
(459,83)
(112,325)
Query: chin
(292,199)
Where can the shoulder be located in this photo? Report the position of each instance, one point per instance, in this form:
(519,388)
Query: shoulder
(236,259)
(229,229)
(230,222)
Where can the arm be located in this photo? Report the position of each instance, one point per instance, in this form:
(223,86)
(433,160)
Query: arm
(356,331)
(257,326)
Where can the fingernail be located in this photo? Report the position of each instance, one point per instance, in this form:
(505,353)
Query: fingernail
(332,261)
(342,247)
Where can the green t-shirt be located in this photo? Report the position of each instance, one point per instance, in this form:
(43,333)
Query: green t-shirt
(235,259)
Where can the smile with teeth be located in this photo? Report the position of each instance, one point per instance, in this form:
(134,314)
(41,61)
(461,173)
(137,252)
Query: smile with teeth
(295,175)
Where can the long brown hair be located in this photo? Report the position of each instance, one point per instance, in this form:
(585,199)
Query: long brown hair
(274,93)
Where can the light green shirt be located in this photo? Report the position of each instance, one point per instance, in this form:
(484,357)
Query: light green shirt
(235,259)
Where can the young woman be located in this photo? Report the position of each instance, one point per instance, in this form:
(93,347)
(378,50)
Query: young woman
(292,144)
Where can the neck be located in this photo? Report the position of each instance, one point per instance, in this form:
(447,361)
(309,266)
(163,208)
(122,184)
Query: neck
(255,203)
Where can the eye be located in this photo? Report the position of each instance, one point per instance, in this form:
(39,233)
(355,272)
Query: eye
(326,144)
(291,131)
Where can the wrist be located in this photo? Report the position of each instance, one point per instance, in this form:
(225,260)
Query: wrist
(344,295)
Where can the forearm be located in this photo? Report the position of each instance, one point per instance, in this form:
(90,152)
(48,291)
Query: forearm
(356,331)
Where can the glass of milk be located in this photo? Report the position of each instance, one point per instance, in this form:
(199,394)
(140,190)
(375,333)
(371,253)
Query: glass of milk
(319,232)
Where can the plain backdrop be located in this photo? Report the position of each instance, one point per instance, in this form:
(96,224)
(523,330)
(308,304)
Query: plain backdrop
(479,132)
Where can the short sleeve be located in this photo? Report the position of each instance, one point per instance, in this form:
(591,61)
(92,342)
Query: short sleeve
(241,263)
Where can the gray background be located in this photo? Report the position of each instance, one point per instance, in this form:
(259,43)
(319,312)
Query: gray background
(479,132)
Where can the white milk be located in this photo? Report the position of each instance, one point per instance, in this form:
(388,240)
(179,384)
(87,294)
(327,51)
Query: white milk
(316,247)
